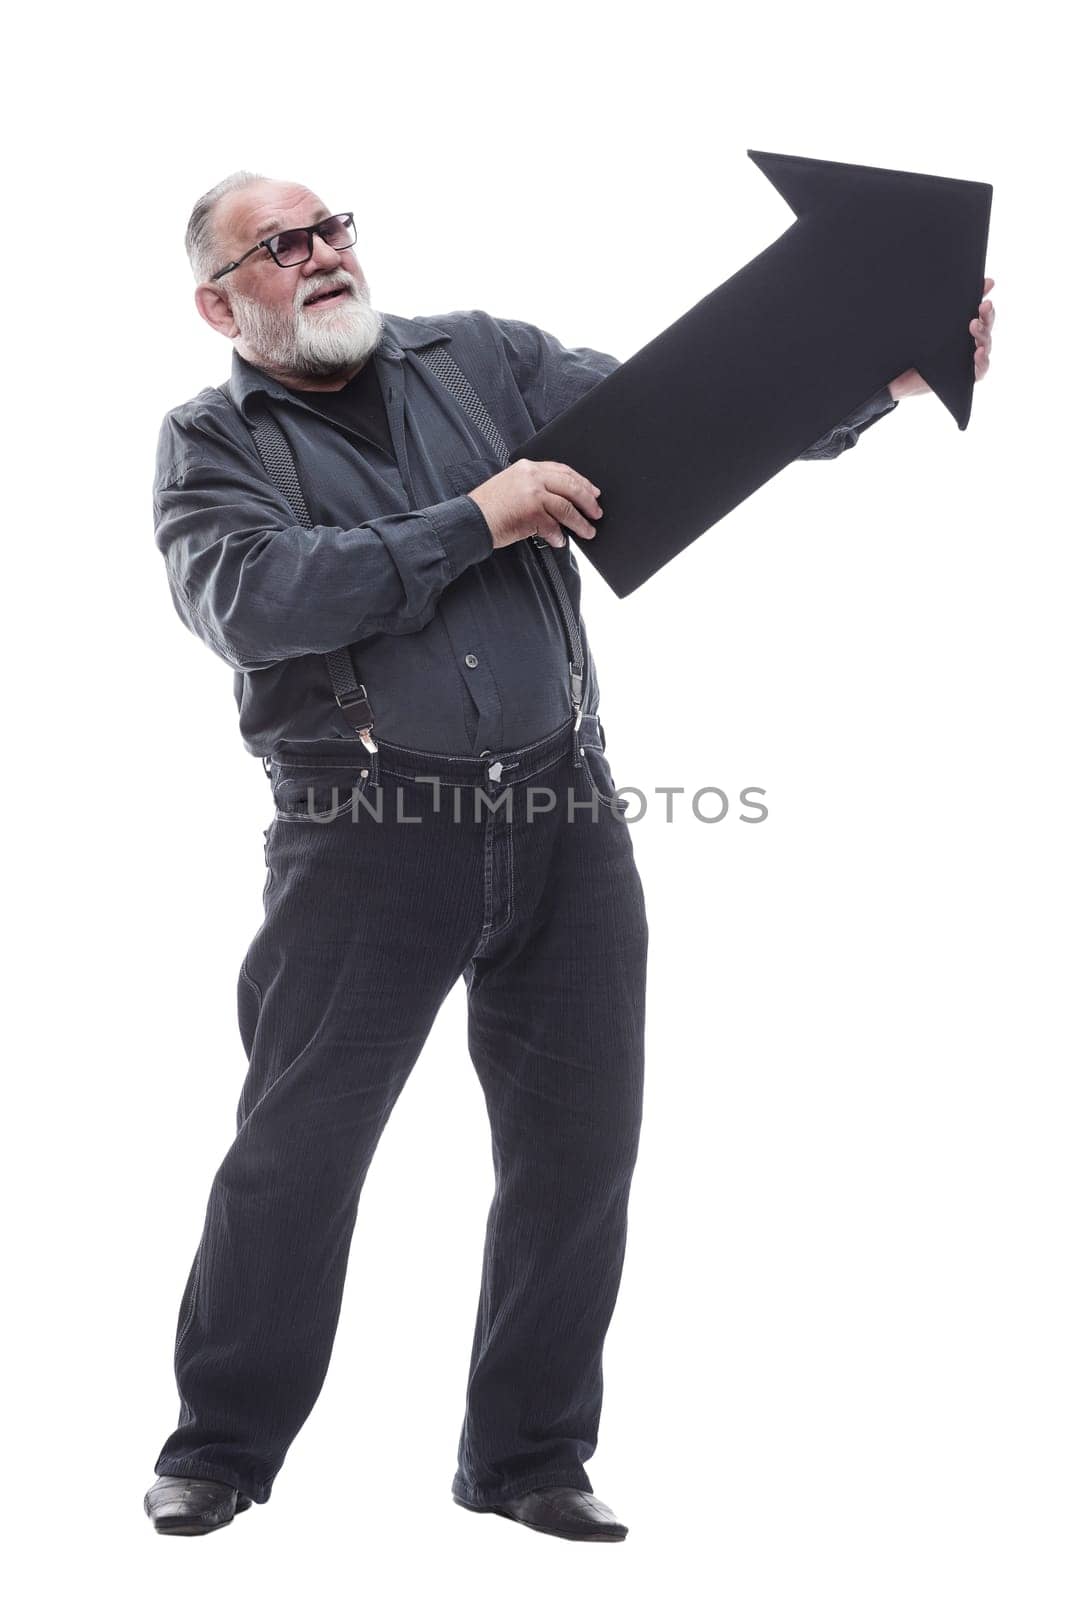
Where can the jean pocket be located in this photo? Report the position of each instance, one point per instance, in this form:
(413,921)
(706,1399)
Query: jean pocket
(315,794)
(597,770)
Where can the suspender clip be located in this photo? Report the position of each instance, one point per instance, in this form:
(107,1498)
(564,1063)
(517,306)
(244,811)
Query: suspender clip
(357,711)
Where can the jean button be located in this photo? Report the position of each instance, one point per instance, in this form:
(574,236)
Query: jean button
(471,659)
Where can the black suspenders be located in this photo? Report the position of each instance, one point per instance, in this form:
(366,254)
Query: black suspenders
(277,458)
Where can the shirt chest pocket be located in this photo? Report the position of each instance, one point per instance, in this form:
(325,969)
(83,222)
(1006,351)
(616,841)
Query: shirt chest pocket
(467,474)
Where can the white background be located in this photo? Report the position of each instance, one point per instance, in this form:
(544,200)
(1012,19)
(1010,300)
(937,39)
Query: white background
(836,1363)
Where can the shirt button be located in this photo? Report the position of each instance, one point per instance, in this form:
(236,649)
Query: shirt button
(471,660)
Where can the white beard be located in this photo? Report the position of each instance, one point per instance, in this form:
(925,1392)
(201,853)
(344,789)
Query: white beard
(311,343)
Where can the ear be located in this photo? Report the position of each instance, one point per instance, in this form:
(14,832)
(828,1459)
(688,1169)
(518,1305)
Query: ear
(214,307)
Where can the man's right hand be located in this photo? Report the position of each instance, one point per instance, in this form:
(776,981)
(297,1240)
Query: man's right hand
(537,497)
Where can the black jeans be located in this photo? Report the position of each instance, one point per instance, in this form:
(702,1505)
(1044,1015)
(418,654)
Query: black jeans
(367,926)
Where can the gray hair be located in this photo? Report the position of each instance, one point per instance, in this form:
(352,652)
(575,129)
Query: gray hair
(201,245)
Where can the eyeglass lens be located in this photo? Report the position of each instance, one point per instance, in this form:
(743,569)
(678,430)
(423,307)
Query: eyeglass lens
(294,245)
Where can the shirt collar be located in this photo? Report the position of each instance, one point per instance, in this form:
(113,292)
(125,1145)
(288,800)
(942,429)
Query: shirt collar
(399,335)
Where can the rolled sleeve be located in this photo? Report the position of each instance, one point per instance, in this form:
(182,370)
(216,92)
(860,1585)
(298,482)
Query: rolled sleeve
(844,435)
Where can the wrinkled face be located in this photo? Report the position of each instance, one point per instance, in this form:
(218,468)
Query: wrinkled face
(314,320)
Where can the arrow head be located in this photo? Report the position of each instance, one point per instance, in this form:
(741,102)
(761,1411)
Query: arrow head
(918,242)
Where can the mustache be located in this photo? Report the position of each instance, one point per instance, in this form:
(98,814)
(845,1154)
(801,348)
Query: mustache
(325,282)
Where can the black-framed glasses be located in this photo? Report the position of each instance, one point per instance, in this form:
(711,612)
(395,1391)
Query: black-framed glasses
(295,245)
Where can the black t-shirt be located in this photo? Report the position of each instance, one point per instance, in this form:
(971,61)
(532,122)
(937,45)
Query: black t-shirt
(359,405)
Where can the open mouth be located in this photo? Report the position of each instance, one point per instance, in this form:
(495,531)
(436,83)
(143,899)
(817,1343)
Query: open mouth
(328,296)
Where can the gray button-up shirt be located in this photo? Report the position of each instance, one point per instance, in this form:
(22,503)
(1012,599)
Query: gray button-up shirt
(460,646)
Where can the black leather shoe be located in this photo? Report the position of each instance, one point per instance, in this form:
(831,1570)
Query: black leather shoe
(567,1513)
(192,1505)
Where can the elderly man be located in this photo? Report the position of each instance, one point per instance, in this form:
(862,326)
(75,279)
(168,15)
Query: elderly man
(407,647)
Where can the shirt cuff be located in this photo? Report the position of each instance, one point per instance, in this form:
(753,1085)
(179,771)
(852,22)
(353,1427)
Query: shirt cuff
(879,402)
(464,534)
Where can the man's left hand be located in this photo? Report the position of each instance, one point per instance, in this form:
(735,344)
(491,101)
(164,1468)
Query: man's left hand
(981,327)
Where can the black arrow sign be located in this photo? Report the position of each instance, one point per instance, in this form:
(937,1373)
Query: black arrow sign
(881,271)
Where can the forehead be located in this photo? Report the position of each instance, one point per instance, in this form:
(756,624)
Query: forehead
(248,215)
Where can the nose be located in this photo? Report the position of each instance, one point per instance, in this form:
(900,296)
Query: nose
(324,258)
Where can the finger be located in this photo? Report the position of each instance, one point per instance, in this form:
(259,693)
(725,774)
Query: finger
(548,529)
(576,477)
(568,515)
(565,481)
(575,485)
